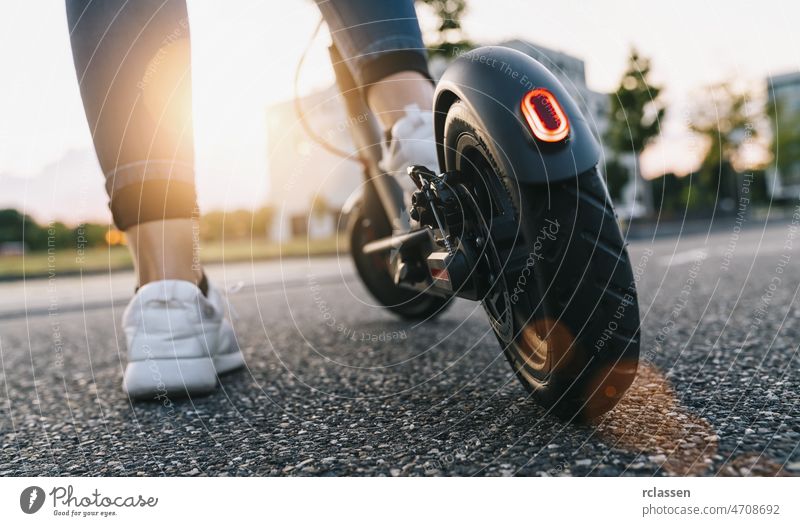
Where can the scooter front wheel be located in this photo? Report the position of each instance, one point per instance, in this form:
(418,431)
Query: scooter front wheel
(563,301)
(368,223)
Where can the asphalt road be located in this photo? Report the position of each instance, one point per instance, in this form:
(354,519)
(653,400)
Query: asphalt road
(335,386)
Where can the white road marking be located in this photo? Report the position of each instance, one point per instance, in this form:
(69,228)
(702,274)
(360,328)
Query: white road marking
(682,258)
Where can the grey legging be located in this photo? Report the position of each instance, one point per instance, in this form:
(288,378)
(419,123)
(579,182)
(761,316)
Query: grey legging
(132,58)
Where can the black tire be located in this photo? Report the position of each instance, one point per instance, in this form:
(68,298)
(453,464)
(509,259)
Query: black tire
(369,223)
(571,326)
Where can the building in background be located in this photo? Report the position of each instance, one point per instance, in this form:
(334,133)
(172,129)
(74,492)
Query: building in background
(301,171)
(309,184)
(783,176)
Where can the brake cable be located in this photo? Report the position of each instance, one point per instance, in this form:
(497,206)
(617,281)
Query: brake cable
(298,107)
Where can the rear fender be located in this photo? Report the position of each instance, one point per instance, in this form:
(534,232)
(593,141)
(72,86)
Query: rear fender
(492,81)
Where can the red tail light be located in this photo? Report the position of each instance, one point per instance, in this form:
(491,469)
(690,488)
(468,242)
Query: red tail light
(545,116)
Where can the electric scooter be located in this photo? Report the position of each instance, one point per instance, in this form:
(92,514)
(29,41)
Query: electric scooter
(517,217)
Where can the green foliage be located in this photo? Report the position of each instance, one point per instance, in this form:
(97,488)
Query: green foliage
(12,225)
(636,109)
(16,227)
(450,38)
(758,187)
(449,13)
(262,221)
(238,224)
(669,194)
(784,147)
(90,235)
(319,206)
(450,50)
(726,121)
(691,195)
(617,177)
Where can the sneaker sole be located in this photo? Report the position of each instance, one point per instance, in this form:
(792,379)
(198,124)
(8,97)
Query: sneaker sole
(227,362)
(170,378)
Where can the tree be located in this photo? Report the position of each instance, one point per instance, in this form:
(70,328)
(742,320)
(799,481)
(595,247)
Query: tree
(727,120)
(669,195)
(17,227)
(636,111)
(784,145)
(12,225)
(232,225)
(449,13)
(319,206)
(262,221)
(89,235)
(617,177)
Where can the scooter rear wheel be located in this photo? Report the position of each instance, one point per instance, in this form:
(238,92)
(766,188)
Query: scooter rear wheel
(563,305)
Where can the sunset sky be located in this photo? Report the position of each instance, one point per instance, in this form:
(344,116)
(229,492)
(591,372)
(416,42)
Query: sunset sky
(245,52)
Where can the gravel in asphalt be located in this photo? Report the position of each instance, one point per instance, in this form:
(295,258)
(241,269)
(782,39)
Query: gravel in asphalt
(336,386)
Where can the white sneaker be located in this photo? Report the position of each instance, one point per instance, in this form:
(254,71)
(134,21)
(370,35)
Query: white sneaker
(178,341)
(413,142)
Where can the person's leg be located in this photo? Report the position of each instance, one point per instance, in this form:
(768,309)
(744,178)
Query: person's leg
(132,59)
(382,45)
(134,68)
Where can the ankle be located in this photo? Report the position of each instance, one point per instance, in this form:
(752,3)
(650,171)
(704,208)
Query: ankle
(389,97)
(164,250)
(196,277)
